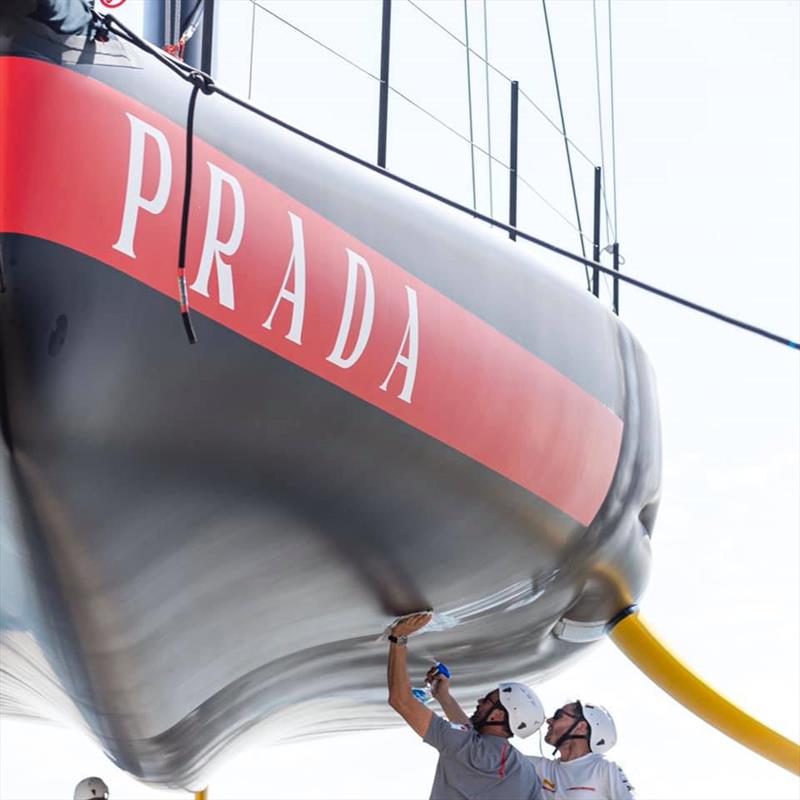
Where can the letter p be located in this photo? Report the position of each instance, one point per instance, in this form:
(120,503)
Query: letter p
(133,196)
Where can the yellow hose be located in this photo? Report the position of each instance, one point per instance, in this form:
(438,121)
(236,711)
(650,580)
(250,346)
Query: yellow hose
(202,794)
(642,647)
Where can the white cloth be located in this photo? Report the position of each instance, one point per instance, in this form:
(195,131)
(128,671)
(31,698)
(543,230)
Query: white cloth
(590,777)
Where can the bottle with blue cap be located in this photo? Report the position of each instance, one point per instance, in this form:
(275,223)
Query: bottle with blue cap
(424,694)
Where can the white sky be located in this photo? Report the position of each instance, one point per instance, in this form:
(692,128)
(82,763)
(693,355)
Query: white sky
(707,101)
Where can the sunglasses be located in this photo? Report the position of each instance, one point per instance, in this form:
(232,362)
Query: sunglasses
(564,713)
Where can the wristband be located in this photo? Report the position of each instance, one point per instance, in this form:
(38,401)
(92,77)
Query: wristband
(398,639)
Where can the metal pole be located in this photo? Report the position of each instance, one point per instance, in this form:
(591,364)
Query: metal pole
(616,280)
(153,28)
(208,36)
(172,22)
(596,245)
(383,110)
(193,52)
(512,160)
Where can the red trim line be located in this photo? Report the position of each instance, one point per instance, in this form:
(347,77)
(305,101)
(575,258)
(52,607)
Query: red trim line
(503,757)
(64,173)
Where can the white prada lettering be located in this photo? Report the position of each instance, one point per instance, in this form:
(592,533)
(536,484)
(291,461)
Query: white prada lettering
(356,265)
(296,268)
(343,333)
(134,201)
(410,340)
(213,248)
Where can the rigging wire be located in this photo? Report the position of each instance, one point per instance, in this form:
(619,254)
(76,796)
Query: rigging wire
(488,106)
(469,102)
(181,32)
(613,126)
(449,128)
(107,21)
(317,41)
(554,209)
(377,79)
(603,173)
(500,73)
(566,142)
(468,140)
(600,119)
(193,16)
(561,133)
(252,53)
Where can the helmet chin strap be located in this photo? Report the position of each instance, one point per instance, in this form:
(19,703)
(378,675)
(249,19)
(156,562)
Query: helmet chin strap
(485,721)
(566,736)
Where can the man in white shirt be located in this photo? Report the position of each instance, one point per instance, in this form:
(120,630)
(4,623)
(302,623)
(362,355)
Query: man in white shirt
(582,733)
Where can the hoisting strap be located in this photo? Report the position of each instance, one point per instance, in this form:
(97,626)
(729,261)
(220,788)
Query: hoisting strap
(640,644)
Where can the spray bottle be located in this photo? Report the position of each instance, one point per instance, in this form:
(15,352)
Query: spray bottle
(424,694)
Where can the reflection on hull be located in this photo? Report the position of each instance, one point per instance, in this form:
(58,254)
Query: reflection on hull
(204,539)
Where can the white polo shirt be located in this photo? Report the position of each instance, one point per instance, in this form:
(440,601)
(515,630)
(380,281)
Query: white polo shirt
(590,777)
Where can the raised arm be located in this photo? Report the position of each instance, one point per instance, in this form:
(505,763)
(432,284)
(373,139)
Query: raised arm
(440,689)
(400,697)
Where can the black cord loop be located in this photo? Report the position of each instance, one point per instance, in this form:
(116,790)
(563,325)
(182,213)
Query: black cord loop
(183,292)
(202,81)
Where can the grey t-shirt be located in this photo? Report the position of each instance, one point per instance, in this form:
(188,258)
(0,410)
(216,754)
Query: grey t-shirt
(475,767)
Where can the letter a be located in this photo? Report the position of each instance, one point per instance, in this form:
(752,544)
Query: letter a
(297,264)
(410,337)
(354,263)
(133,195)
(213,248)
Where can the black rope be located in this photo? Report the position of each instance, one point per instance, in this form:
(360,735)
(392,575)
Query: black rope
(202,83)
(213,88)
(566,143)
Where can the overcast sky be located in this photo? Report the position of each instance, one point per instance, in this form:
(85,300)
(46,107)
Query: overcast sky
(707,111)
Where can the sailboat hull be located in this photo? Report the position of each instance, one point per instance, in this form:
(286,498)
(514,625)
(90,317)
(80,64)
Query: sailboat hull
(388,408)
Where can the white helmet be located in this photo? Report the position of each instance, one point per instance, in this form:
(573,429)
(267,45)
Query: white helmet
(525,710)
(91,789)
(603,731)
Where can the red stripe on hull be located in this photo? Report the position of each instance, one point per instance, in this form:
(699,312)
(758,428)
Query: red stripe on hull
(64,169)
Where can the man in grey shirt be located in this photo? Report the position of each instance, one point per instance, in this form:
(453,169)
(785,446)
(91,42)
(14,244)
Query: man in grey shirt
(476,760)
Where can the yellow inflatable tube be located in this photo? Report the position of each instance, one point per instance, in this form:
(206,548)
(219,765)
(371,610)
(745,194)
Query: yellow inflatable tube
(642,647)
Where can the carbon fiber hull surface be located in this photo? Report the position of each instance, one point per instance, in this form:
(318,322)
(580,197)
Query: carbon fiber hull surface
(200,539)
